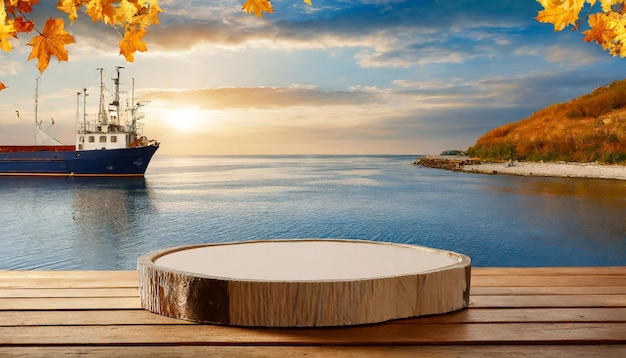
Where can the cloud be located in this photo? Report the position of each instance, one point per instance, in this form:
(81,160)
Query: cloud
(10,67)
(262,97)
(382,33)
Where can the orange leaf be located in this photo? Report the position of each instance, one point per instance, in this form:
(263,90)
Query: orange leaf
(258,7)
(51,43)
(70,7)
(2,86)
(7,31)
(132,42)
(23,26)
(103,10)
(22,6)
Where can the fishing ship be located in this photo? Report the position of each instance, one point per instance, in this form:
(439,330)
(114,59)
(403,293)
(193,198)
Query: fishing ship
(112,144)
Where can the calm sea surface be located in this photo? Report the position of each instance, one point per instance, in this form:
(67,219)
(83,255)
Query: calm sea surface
(88,223)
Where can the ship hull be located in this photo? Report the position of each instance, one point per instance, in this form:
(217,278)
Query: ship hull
(66,161)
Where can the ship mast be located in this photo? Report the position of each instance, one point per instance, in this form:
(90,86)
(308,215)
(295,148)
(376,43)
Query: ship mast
(116,99)
(85,110)
(77,111)
(102,118)
(36,105)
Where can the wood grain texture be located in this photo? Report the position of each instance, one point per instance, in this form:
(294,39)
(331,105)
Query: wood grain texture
(466,351)
(572,321)
(390,334)
(303,303)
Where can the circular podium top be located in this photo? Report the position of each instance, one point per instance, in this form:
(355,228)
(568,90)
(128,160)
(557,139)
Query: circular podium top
(305,260)
(302,282)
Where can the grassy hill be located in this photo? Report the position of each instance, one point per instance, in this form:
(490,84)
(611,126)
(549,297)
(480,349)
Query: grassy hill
(587,129)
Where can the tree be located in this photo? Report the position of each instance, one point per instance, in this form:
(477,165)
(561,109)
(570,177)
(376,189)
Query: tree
(606,20)
(130,18)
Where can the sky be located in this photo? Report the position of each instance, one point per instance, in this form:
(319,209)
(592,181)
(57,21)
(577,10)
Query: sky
(340,77)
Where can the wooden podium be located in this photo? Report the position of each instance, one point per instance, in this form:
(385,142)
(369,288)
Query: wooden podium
(302,283)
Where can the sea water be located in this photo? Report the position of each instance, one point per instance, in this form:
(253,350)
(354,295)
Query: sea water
(497,220)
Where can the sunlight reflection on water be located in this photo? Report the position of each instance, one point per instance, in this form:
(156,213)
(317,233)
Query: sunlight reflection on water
(82,223)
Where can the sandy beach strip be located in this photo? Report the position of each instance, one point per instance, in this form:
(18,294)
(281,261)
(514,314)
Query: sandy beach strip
(560,169)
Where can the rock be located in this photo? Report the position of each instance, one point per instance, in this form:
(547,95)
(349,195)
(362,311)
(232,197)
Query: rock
(455,163)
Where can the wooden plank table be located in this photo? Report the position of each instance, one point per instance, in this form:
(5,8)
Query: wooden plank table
(557,312)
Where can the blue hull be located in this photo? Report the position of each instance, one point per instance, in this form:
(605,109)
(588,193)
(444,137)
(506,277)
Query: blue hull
(110,162)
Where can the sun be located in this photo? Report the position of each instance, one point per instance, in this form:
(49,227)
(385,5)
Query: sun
(185,119)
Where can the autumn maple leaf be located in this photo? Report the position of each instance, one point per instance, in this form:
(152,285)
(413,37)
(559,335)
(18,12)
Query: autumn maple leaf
(23,26)
(560,14)
(132,42)
(257,6)
(598,26)
(50,43)
(21,6)
(70,8)
(6,31)
(2,86)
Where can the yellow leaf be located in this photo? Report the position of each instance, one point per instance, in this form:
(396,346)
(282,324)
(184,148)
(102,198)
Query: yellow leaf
(126,11)
(132,42)
(6,30)
(308,2)
(101,10)
(560,13)
(69,7)
(607,4)
(51,43)
(258,7)
(150,12)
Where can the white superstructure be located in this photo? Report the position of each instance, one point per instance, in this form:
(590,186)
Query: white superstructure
(113,129)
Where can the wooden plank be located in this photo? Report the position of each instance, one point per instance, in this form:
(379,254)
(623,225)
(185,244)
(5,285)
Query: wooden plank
(473,315)
(549,301)
(559,290)
(525,315)
(481,277)
(15,282)
(386,334)
(69,292)
(550,271)
(131,275)
(67,279)
(84,318)
(475,291)
(469,351)
(64,303)
(111,275)
(551,281)
(39,283)
(107,303)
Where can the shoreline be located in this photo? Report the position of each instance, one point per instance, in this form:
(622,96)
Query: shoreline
(556,169)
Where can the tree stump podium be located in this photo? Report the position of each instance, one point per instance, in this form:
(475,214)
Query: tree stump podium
(302,283)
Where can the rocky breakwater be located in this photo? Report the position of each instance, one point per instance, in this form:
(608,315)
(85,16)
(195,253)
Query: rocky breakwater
(445,162)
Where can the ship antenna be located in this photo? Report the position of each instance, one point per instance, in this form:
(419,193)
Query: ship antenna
(101,113)
(133,123)
(36,105)
(116,100)
(77,110)
(85,110)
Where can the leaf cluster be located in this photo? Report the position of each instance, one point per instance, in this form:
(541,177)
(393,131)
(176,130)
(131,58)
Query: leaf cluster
(607,23)
(586,129)
(130,18)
